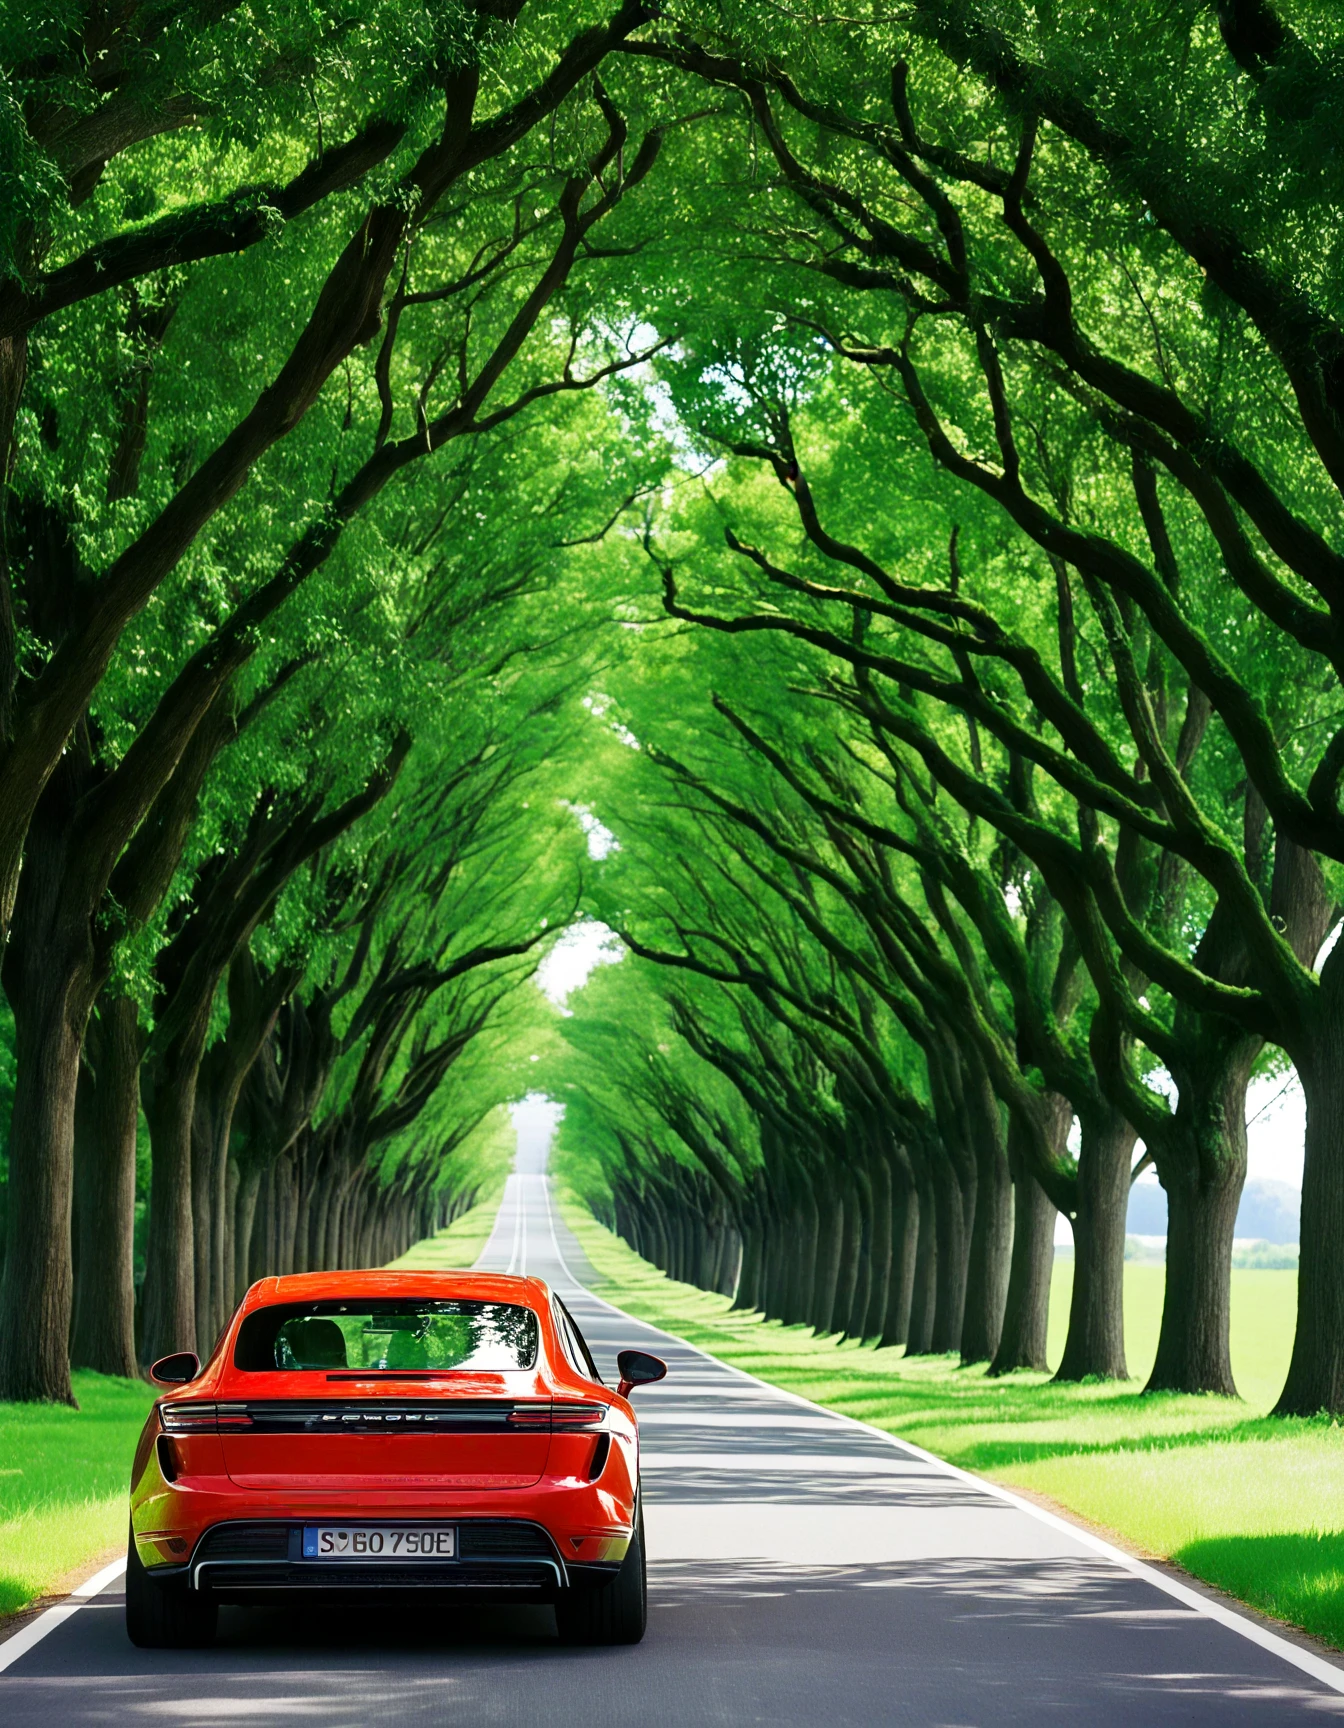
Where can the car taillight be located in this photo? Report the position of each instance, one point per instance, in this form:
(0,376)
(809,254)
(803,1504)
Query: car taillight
(566,1416)
(578,1415)
(197,1418)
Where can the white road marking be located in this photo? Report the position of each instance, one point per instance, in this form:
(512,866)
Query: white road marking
(516,1183)
(36,1630)
(495,1232)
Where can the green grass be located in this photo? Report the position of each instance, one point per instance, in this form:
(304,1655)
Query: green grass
(64,1477)
(455,1247)
(1251,1504)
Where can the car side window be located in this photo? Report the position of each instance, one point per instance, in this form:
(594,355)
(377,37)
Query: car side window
(580,1357)
(566,1333)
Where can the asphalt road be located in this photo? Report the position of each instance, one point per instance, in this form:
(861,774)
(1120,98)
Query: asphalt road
(803,1569)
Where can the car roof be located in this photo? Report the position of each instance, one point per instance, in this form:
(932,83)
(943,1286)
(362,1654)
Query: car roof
(468,1285)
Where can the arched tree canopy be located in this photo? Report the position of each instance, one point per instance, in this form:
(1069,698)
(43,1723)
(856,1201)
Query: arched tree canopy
(853,505)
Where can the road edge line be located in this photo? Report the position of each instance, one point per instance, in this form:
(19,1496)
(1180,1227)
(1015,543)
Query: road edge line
(1327,1673)
(36,1630)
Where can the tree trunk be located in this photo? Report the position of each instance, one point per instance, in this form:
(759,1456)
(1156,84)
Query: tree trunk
(348,1222)
(992,1225)
(320,1219)
(221,1222)
(340,1200)
(1203,1193)
(857,1317)
(748,1278)
(48,978)
(233,1178)
(1095,1346)
(634,1214)
(170,1257)
(879,1185)
(924,1281)
(850,1246)
(259,1249)
(284,1216)
(107,1116)
(807,1248)
(863,1269)
(731,1273)
(303,1200)
(202,1209)
(830,1246)
(1026,1315)
(37,1292)
(770,1262)
(1315,1379)
(904,1247)
(660,1252)
(1193,1353)
(956,1213)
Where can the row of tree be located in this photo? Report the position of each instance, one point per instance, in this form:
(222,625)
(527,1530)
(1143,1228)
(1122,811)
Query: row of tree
(300,365)
(1013,584)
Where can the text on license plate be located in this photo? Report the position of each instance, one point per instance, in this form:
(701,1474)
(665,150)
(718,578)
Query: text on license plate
(378,1542)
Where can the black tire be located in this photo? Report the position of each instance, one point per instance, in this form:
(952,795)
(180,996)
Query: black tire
(165,1616)
(614,1613)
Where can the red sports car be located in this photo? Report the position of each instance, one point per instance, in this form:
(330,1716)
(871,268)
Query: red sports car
(360,1434)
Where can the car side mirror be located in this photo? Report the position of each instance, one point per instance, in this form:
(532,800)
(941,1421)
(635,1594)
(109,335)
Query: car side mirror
(177,1369)
(638,1368)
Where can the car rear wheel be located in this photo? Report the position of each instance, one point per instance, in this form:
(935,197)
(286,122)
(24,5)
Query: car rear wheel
(162,1616)
(615,1613)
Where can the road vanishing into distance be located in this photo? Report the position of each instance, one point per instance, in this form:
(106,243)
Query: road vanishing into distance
(802,1569)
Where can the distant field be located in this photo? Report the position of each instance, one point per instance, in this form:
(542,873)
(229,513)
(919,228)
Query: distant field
(1251,1504)
(1254,1256)
(1264,1309)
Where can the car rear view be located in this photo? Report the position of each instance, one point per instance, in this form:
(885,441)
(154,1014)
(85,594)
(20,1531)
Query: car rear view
(389,1436)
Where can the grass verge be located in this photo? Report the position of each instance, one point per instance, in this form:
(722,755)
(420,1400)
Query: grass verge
(63,1483)
(457,1246)
(1250,1504)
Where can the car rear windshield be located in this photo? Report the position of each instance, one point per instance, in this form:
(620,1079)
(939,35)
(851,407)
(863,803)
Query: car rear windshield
(406,1336)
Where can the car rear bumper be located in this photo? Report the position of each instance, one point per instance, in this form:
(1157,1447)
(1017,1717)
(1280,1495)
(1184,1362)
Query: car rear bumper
(581,1521)
(250,1561)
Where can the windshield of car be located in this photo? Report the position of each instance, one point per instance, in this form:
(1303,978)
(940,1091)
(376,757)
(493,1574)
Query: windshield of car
(405,1335)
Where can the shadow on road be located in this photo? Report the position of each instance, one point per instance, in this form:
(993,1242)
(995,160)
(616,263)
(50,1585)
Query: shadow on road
(979,1644)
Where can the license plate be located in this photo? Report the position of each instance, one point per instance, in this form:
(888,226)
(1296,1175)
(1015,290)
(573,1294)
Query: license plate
(378,1542)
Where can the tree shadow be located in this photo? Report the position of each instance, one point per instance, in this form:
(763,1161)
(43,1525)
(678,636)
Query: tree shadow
(996,1454)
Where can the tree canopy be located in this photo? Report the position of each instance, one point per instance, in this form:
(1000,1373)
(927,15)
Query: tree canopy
(883,472)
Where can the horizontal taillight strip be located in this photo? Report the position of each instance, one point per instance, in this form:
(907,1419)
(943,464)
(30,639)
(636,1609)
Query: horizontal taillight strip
(560,1415)
(460,1416)
(202,1418)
